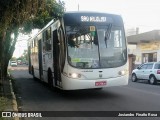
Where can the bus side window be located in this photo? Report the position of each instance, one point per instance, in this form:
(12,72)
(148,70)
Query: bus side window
(32,47)
(33,43)
(47,39)
(48,47)
(44,39)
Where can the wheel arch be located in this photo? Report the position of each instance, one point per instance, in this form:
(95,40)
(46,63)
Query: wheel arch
(134,74)
(32,70)
(50,77)
(152,75)
(49,71)
(155,79)
(135,78)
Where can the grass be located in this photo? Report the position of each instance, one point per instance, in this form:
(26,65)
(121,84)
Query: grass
(5,101)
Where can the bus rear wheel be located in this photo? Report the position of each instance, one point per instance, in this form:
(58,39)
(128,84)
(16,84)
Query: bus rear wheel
(33,73)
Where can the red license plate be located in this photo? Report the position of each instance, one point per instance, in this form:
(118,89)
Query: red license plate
(100,83)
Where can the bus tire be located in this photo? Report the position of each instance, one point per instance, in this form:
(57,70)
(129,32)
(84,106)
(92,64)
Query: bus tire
(98,88)
(50,78)
(33,73)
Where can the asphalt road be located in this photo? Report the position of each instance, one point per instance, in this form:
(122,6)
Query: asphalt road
(35,96)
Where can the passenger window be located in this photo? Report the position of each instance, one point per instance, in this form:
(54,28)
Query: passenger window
(47,39)
(143,67)
(149,66)
(157,66)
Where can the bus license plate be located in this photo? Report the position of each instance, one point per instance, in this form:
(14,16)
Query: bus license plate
(100,83)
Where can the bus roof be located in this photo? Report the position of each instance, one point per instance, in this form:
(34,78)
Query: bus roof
(88,12)
(74,17)
(78,17)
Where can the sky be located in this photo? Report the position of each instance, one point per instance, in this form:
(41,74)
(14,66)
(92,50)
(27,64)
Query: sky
(144,14)
(21,44)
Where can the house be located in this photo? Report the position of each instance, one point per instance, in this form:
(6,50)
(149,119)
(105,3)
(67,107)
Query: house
(144,47)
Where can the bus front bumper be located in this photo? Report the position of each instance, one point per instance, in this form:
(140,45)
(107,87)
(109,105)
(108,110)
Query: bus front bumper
(75,84)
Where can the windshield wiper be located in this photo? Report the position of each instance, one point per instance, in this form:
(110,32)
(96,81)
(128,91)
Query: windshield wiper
(107,34)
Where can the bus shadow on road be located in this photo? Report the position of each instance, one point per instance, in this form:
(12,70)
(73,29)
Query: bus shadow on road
(80,94)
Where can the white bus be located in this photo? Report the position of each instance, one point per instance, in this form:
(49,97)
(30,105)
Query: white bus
(81,50)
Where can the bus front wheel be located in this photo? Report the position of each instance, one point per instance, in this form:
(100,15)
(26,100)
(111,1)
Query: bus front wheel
(50,78)
(33,73)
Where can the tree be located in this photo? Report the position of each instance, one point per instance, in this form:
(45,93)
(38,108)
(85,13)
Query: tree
(24,56)
(53,10)
(23,15)
(13,59)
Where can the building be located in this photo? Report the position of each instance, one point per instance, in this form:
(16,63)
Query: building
(145,47)
(132,31)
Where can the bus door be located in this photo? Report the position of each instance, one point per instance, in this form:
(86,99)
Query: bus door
(29,59)
(55,58)
(40,58)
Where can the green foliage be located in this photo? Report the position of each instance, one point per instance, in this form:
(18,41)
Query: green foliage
(27,26)
(15,12)
(51,10)
(24,14)
(13,59)
(3,103)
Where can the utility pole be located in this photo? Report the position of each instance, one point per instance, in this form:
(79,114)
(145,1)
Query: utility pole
(78,6)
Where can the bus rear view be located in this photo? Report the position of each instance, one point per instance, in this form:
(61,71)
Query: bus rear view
(96,51)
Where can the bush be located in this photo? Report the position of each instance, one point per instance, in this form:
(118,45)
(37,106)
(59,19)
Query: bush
(3,103)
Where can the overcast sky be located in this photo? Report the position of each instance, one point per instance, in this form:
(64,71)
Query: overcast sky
(144,14)
(136,13)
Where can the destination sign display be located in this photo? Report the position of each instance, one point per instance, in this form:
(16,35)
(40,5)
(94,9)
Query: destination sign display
(93,19)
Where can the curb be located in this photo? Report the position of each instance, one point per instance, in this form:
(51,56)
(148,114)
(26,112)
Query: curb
(14,102)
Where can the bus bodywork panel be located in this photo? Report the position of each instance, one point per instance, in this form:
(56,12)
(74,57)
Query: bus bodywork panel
(72,84)
(95,78)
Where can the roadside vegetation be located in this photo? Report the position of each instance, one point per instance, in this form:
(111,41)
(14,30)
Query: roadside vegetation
(3,103)
(21,16)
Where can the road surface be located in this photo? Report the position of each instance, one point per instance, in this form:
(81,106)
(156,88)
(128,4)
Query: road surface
(33,95)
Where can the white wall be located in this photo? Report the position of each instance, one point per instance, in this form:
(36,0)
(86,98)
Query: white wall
(137,50)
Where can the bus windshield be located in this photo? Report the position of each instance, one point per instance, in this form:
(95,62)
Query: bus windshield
(101,46)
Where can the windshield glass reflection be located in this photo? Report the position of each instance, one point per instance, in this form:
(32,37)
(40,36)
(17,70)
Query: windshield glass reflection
(96,46)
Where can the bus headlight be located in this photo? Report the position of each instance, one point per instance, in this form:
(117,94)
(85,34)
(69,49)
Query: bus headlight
(123,72)
(74,75)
